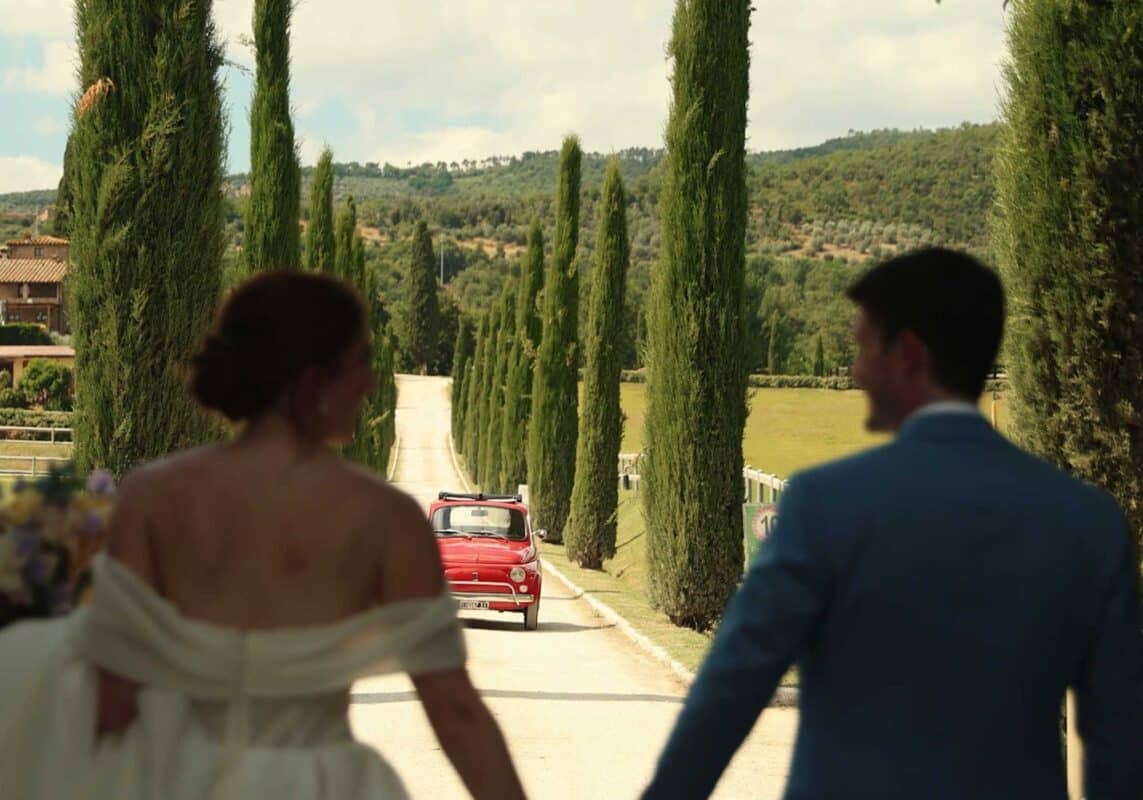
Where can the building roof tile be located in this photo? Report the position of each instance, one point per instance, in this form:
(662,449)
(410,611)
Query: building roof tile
(32,270)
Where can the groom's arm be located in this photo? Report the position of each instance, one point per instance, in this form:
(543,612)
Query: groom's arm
(764,629)
(1109,691)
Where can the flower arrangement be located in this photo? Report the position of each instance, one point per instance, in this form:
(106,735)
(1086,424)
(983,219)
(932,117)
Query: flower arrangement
(50,529)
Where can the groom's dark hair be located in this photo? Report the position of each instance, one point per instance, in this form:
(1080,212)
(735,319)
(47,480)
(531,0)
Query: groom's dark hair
(950,301)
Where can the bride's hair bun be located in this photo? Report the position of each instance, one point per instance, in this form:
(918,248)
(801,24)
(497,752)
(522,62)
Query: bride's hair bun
(273,327)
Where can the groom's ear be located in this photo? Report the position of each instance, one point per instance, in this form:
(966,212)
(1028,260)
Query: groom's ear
(912,354)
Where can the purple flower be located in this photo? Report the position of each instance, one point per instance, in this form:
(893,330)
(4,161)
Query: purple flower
(91,524)
(100,482)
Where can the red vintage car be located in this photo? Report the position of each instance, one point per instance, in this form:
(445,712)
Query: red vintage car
(490,554)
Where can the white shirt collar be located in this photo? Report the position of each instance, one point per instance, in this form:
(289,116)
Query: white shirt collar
(946,407)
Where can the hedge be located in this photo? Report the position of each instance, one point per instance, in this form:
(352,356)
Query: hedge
(24,333)
(28,418)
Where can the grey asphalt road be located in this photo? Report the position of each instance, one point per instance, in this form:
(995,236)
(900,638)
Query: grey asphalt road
(584,710)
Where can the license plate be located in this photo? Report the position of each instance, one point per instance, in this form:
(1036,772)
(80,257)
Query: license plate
(473,605)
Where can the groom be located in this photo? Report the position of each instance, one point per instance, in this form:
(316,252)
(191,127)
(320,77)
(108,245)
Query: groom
(939,593)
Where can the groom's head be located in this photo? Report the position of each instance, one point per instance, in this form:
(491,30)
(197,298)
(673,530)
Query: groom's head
(928,328)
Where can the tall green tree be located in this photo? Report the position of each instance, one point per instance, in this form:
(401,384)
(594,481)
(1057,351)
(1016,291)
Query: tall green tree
(320,247)
(61,225)
(462,352)
(491,453)
(421,307)
(1069,237)
(272,235)
(819,357)
(344,261)
(521,359)
(486,400)
(555,386)
(774,349)
(696,334)
(591,528)
(147,223)
(473,423)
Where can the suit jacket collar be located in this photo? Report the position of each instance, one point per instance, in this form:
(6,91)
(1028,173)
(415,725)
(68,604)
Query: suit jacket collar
(946,427)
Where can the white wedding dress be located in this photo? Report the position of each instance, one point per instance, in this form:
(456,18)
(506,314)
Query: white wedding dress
(223,713)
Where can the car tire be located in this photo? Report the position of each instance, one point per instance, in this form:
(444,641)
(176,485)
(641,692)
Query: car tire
(532,616)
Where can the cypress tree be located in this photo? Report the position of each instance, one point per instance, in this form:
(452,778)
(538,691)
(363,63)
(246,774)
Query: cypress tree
(819,358)
(518,391)
(382,408)
(61,225)
(147,225)
(421,308)
(473,422)
(697,366)
(462,352)
(343,259)
(272,236)
(1069,237)
(486,405)
(555,389)
(320,246)
(493,459)
(591,527)
(773,358)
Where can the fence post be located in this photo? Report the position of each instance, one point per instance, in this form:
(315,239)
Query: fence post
(34,463)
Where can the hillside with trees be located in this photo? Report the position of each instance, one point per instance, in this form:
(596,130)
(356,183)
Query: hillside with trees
(816,215)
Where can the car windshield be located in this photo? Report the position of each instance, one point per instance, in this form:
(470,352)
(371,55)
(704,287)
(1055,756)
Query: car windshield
(475,520)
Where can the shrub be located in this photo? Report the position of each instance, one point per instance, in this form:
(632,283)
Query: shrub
(47,384)
(28,333)
(12,398)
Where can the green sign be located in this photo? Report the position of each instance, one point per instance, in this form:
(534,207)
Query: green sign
(757,522)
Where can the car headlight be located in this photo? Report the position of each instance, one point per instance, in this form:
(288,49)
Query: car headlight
(517,574)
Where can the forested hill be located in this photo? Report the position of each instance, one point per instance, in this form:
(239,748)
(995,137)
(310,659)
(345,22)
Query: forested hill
(936,180)
(817,214)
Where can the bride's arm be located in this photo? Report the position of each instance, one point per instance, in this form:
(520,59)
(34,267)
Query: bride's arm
(129,544)
(411,568)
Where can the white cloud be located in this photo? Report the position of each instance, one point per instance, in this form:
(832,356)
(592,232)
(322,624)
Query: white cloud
(57,74)
(46,18)
(46,126)
(449,79)
(27,173)
(494,77)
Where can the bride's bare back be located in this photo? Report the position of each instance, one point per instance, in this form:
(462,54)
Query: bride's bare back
(262,534)
(273,530)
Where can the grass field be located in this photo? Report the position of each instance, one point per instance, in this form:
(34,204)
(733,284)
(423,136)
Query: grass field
(14,456)
(787,430)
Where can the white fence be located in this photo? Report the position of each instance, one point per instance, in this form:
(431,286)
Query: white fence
(30,466)
(758,486)
(33,435)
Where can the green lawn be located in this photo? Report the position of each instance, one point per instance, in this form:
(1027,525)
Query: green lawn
(23,449)
(787,430)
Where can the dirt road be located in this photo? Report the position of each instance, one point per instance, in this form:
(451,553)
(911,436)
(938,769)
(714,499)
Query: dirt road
(585,711)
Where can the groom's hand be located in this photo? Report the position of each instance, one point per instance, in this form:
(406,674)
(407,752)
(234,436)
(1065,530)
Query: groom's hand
(117,704)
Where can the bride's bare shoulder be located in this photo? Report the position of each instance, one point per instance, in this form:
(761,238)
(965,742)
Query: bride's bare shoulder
(196,458)
(380,499)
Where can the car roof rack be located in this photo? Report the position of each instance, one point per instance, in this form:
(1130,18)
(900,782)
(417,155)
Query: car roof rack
(480,497)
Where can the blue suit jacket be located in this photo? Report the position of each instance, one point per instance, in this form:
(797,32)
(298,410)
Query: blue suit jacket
(940,594)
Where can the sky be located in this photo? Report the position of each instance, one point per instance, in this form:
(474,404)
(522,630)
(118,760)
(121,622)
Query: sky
(408,81)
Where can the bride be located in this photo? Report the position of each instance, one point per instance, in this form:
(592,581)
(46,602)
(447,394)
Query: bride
(245,587)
